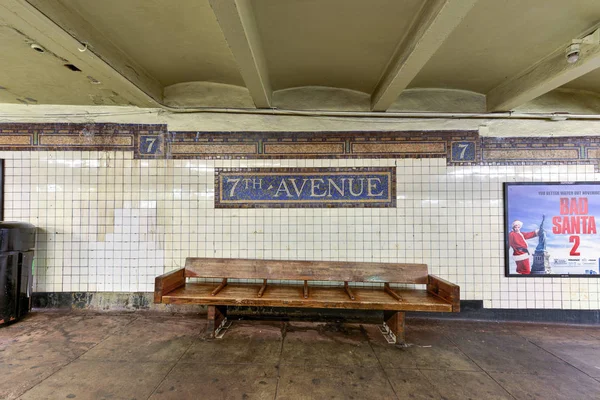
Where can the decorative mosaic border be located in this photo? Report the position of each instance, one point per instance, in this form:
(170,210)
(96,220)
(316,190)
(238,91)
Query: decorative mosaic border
(459,147)
(153,141)
(541,151)
(299,203)
(72,137)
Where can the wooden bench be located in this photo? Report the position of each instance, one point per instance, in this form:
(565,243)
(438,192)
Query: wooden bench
(339,292)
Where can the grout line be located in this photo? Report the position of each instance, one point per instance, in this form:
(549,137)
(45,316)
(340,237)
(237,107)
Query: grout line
(364,331)
(283,335)
(432,383)
(76,358)
(436,369)
(174,365)
(479,366)
(554,355)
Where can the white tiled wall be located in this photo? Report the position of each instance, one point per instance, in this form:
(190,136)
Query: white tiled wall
(110,223)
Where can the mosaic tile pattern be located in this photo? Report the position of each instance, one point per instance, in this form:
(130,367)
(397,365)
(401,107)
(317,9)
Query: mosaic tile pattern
(305,187)
(92,137)
(155,142)
(304,148)
(583,150)
(91,140)
(400,148)
(16,140)
(307,145)
(210,149)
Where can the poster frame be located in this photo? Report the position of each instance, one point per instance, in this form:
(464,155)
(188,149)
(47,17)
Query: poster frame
(507,228)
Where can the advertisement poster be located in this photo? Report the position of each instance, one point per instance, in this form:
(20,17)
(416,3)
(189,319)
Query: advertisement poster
(551,229)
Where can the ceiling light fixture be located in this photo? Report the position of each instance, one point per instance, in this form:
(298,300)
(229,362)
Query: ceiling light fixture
(573,51)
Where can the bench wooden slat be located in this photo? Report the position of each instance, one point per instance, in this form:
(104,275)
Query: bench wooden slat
(307,270)
(219,288)
(391,292)
(320,297)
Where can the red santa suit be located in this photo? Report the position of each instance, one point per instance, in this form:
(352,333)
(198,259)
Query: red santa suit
(518,241)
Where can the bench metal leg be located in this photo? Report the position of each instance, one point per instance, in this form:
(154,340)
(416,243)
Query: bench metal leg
(217,317)
(393,322)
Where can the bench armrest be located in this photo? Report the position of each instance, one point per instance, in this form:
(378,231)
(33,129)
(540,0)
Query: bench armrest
(167,283)
(445,290)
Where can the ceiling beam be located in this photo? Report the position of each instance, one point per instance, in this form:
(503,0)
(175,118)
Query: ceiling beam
(437,19)
(30,22)
(238,24)
(545,75)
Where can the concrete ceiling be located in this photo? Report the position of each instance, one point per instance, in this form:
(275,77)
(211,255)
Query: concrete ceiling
(500,38)
(327,43)
(379,55)
(31,77)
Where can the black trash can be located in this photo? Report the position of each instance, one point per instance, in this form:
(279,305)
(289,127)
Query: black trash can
(17,242)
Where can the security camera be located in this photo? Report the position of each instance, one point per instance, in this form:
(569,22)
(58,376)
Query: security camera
(572,53)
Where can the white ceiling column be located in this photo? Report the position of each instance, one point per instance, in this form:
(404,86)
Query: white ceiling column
(437,20)
(238,24)
(547,74)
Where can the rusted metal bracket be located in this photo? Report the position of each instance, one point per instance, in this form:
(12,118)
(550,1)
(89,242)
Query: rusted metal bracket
(220,331)
(387,333)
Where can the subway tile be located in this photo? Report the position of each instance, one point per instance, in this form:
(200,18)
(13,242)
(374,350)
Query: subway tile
(113,227)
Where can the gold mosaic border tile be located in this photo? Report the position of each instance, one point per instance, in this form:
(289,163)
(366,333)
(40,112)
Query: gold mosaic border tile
(211,148)
(304,148)
(531,154)
(16,140)
(400,148)
(593,153)
(87,141)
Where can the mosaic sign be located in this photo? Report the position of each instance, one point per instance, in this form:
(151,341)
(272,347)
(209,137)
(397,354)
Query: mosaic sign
(463,151)
(305,187)
(150,144)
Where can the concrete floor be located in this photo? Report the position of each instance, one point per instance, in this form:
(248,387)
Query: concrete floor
(52,355)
